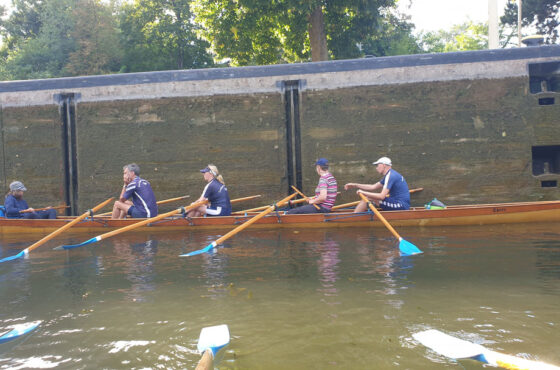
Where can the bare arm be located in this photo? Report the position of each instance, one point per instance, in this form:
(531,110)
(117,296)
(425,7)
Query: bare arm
(319,198)
(365,187)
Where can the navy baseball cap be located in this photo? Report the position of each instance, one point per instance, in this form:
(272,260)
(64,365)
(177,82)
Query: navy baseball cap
(204,170)
(322,162)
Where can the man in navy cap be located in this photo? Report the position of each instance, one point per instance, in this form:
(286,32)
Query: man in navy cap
(14,204)
(394,193)
(325,193)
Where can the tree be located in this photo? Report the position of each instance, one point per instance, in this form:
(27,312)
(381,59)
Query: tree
(394,37)
(97,40)
(272,31)
(43,51)
(461,37)
(541,14)
(160,35)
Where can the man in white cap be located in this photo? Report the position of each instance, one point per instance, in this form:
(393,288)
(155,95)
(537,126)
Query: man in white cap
(394,194)
(14,204)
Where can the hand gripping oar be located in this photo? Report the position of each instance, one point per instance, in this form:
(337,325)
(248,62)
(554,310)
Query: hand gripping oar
(57,231)
(457,348)
(133,226)
(406,248)
(304,197)
(161,202)
(212,339)
(243,226)
(352,204)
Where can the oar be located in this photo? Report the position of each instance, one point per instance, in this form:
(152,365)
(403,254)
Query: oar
(165,201)
(297,201)
(44,208)
(212,339)
(19,330)
(133,226)
(406,248)
(304,197)
(244,199)
(355,203)
(456,348)
(239,228)
(57,231)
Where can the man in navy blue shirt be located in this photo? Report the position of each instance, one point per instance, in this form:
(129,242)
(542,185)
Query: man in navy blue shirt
(143,204)
(14,204)
(394,193)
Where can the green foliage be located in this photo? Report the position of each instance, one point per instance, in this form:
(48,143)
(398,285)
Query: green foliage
(541,14)
(267,32)
(462,37)
(393,37)
(160,35)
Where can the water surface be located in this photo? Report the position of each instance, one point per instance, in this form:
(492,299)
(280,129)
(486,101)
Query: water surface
(293,299)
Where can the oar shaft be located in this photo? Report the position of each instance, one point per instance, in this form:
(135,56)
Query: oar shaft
(149,220)
(297,201)
(165,201)
(68,225)
(254,219)
(351,204)
(44,208)
(380,217)
(206,362)
(304,197)
(246,198)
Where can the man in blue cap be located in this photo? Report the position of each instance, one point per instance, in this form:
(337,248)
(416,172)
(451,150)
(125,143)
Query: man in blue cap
(325,193)
(394,194)
(15,204)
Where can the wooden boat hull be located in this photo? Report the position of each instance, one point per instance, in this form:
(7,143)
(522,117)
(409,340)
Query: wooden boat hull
(485,214)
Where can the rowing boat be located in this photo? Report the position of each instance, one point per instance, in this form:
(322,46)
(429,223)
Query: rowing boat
(461,215)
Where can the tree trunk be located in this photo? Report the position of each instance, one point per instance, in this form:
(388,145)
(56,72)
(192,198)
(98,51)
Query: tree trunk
(317,36)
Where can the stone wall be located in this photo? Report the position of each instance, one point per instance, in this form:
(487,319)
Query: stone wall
(460,125)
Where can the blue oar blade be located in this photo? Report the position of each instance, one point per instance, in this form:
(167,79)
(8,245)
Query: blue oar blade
(407,248)
(207,249)
(15,256)
(71,246)
(19,330)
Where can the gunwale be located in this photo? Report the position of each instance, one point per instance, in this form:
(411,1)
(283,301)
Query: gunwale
(459,215)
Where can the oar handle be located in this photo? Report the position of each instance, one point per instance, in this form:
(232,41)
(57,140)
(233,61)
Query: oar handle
(68,225)
(378,214)
(254,219)
(44,208)
(304,197)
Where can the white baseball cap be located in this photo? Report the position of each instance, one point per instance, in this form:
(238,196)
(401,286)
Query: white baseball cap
(383,160)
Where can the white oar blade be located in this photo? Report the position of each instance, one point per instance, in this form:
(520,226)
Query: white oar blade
(214,338)
(447,345)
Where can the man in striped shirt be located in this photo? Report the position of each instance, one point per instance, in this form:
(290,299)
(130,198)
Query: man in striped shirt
(325,193)
(394,193)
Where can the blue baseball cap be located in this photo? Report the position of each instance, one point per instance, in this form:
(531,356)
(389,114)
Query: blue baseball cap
(322,162)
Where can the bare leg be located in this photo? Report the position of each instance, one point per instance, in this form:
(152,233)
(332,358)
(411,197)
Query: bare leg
(361,207)
(120,209)
(197,212)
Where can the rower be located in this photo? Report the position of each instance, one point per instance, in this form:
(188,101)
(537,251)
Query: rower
(143,204)
(325,192)
(15,204)
(392,183)
(215,192)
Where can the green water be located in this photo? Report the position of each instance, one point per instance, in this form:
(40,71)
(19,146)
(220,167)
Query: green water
(293,299)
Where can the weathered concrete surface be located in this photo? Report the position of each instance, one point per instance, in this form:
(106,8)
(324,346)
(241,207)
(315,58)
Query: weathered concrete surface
(172,139)
(32,150)
(460,126)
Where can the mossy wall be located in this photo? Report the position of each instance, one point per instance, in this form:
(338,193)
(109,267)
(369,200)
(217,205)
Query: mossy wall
(463,139)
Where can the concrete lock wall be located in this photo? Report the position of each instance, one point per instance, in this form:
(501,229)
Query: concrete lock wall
(468,127)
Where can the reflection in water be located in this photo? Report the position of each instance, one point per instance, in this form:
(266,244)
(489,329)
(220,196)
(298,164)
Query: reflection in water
(139,260)
(327,265)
